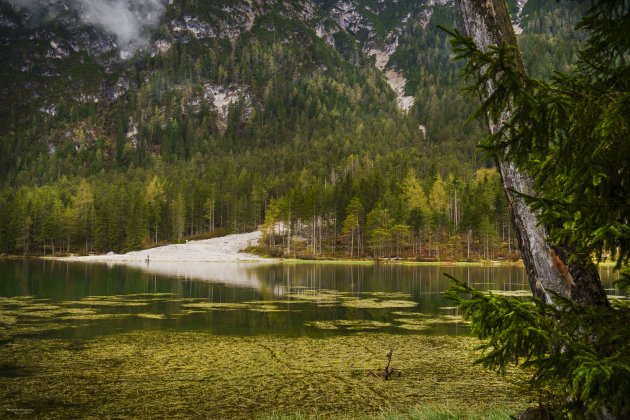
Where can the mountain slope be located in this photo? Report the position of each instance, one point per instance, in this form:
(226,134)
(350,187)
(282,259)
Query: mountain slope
(181,117)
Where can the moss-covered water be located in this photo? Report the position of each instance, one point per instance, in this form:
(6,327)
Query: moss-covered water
(199,375)
(223,340)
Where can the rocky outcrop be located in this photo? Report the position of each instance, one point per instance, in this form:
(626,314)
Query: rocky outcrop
(221,98)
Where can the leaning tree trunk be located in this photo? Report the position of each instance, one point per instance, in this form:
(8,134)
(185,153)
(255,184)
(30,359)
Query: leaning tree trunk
(487,22)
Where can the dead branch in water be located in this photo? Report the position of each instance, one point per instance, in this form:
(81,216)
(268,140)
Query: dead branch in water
(389,371)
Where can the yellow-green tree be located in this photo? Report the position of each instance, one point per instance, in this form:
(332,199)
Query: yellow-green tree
(414,196)
(272,217)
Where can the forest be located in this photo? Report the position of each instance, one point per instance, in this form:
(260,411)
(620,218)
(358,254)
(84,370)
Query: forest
(312,149)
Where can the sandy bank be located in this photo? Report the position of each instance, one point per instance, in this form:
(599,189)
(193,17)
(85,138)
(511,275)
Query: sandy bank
(222,249)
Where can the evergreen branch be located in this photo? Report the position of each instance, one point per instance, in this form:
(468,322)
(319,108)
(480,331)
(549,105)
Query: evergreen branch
(579,353)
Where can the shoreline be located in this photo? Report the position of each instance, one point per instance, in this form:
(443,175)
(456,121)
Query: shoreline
(104,258)
(405,262)
(234,247)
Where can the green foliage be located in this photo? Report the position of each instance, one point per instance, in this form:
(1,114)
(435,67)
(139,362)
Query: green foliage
(570,133)
(183,200)
(624,281)
(578,355)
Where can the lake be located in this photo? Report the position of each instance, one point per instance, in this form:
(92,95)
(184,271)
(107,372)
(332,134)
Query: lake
(245,340)
(79,300)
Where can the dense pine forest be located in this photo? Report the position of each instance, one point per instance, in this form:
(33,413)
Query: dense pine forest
(236,116)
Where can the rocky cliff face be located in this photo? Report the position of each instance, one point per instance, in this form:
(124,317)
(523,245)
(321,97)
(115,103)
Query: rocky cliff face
(56,53)
(81,52)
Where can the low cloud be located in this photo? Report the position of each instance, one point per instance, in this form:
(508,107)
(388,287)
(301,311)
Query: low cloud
(127,20)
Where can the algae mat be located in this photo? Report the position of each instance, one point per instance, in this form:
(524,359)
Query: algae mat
(198,375)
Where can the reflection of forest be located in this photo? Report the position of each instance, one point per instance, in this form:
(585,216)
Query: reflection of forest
(242,298)
(61,280)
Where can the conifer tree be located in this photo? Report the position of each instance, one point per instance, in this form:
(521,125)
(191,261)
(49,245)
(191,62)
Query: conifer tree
(513,113)
(156,199)
(570,136)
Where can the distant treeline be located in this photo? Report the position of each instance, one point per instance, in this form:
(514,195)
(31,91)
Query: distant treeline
(361,212)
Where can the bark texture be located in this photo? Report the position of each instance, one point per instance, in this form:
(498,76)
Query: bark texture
(487,22)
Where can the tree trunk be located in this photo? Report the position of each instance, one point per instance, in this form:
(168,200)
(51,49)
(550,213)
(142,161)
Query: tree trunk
(487,22)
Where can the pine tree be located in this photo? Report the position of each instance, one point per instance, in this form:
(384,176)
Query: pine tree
(156,199)
(83,205)
(570,135)
(494,62)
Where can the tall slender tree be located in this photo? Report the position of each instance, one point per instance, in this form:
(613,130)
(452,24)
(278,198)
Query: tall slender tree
(489,27)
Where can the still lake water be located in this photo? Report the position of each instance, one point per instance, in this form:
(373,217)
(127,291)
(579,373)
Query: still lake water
(55,299)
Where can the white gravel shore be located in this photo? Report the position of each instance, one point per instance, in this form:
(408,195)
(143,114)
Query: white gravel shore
(221,249)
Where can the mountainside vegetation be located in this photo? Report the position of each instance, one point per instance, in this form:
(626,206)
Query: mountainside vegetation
(231,115)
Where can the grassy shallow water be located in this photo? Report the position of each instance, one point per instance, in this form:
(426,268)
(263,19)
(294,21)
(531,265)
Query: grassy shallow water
(241,341)
(175,374)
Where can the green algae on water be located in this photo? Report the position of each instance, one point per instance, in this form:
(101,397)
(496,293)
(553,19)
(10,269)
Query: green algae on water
(389,295)
(7,319)
(348,324)
(415,321)
(93,317)
(144,295)
(216,306)
(318,296)
(414,324)
(40,314)
(40,307)
(457,319)
(512,293)
(98,302)
(412,314)
(376,304)
(271,302)
(415,327)
(171,374)
(152,316)
(16,300)
(266,308)
(189,312)
(428,322)
(227,306)
(32,329)
(326,297)
(29,311)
